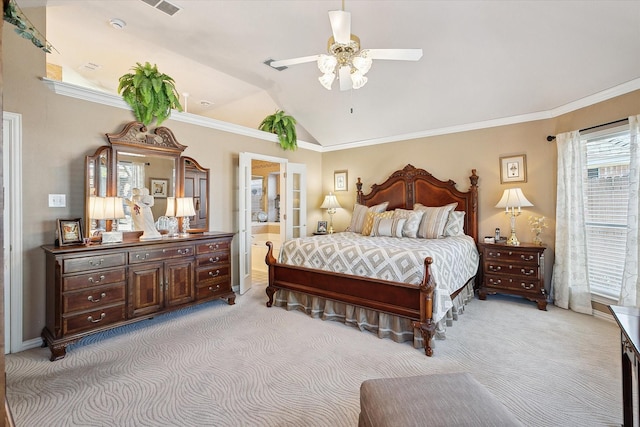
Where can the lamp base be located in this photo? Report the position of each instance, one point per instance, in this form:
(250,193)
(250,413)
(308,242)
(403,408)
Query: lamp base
(513,240)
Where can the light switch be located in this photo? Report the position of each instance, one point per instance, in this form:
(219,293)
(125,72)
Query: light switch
(57,200)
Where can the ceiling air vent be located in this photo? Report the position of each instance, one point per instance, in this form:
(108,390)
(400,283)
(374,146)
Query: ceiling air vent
(163,6)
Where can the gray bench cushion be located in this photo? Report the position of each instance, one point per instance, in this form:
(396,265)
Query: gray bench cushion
(431,400)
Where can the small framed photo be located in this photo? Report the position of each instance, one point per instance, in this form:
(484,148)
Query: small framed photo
(340,181)
(70,232)
(159,187)
(513,169)
(322,227)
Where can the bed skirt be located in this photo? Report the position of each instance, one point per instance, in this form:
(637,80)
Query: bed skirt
(384,325)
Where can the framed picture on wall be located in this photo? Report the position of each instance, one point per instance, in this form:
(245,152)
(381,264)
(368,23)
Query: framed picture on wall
(340,181)
(513,169)
(159,187)
(70,231)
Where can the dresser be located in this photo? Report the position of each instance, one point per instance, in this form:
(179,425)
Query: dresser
(515,270)
(94,288)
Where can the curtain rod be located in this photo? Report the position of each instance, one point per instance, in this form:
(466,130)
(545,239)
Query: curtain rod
(552,137)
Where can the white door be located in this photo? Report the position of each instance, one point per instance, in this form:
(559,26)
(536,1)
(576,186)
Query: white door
(244,213)
(296,201)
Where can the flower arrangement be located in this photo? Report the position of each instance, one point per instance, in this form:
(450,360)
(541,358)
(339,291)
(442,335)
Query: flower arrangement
(537,224)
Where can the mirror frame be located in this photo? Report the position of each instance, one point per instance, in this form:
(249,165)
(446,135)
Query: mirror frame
(134,138)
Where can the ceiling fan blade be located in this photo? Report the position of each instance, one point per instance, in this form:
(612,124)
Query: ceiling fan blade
(340,25)
(344,77)
(396,54)
(294,61)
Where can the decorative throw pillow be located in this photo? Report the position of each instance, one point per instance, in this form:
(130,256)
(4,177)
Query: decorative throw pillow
(370,218)
(433,220)
(359,214)
(391,227)
(412,223)
(455,224)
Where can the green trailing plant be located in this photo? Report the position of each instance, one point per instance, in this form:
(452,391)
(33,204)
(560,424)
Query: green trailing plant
(150,93)
(24,28)
(284,126)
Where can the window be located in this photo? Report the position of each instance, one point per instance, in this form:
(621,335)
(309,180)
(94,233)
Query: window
(606,204)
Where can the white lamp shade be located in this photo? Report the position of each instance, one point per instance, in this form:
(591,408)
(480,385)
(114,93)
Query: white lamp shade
(113,208)
(326,80)
(330,202)
(513,198)
(184,207)
(358,80)
(96,207)
(362,62)
(327,63)
(171,207)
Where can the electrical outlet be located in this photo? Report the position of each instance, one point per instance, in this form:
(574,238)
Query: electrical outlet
(57,200)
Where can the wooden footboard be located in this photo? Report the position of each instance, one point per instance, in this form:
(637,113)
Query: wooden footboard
(400,299)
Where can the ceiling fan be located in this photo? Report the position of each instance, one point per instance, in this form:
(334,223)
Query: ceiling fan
(345,58)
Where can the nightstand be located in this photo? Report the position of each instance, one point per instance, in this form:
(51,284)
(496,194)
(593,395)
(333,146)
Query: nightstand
(515,270)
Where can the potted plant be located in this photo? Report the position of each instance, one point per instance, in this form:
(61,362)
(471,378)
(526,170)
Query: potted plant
(282,125)
(150,93)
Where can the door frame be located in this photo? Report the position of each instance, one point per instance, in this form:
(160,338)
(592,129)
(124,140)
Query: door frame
(12,245)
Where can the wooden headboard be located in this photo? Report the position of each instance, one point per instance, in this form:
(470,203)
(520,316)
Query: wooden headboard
(410,185)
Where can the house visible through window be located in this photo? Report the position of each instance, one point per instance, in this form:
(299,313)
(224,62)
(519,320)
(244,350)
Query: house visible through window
(606,204)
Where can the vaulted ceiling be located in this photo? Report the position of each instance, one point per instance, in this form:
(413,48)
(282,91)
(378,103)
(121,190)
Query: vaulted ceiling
(485,62)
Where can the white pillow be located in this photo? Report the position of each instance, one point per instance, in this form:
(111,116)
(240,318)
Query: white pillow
(360,213)
(433,220)
(391,227)
(455,224)
(412,222)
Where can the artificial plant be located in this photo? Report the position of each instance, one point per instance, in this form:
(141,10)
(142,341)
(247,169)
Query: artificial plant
(284,126)
(150,93)
(24,28)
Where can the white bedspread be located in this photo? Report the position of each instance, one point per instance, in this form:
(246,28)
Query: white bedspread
(455,260)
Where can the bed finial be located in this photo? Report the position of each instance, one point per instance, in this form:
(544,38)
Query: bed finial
(473,178)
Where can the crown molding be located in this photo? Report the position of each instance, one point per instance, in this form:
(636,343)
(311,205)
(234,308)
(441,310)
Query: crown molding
(111,100)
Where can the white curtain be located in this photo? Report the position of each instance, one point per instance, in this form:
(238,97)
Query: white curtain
(630,290)
(570,281)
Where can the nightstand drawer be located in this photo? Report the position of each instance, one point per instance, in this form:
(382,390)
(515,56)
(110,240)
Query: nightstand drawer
(510,282)
(511,269)
(492,254)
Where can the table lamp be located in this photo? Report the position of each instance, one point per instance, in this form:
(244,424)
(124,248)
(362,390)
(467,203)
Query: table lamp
(330,204)
(185,209)
(513,198)
(111,210)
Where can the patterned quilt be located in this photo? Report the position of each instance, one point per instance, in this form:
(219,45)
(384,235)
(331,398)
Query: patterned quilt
(455,260)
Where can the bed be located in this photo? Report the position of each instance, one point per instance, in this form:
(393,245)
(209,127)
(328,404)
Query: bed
(412,306)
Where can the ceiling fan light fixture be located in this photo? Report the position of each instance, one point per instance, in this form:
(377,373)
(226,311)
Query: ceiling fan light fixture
(358,80)
(327,63)
(326,80)
(362,63)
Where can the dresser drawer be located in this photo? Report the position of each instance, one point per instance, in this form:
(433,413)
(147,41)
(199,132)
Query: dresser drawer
(505,254)
(521,269)
(213,259)
(93,298)
(76,265)
(160,254)
(211,290)
(512,283)
(213,246)
(213,274)
(93,319)
(80,281)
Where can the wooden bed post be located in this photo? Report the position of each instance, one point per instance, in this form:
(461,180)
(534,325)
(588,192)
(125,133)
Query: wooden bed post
(426,325)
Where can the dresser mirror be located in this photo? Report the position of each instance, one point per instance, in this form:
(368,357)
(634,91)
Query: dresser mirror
(136,158)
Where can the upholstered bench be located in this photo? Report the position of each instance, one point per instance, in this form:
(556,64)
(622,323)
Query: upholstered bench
(431,400)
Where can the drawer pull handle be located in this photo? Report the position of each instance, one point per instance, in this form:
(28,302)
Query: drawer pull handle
(214,275)
(92,280)
(527,287)
(142,257)
(527,257)
(495,268)
(93,264)
(212,289)
(183,252)
(102,295)
(496,281)
(102,316)
(214,260)
(494,254)
(212,246)
(530,272)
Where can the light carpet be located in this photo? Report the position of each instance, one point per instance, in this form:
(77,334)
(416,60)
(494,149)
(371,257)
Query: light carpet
(249,365)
